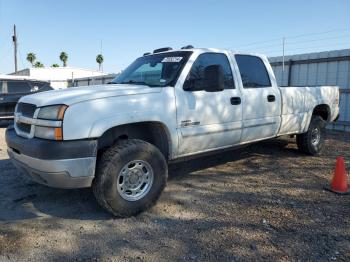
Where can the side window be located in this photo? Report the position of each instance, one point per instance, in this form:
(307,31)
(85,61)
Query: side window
(1,89)
(196,75)
(39,86)
(18,87)
(253,71)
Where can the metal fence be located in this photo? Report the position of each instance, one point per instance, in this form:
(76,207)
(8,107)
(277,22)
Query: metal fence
(324,68)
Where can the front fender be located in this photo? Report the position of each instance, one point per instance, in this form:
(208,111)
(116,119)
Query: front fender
(100,126)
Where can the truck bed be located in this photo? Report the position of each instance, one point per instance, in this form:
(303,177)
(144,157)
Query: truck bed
(298,104)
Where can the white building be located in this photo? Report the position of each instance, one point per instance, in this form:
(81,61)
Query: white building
(58,76)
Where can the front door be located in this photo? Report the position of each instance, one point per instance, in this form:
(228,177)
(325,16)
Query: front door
(207,120)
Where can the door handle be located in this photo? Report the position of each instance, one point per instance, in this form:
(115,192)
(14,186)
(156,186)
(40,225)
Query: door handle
(271,98)
(235,100)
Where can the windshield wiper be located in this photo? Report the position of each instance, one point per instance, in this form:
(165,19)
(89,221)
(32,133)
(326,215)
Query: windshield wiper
(138,83)
(134,82)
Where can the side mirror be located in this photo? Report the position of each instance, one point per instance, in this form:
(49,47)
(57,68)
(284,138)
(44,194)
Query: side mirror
(214,78)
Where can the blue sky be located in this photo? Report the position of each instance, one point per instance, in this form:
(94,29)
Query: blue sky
(130,28)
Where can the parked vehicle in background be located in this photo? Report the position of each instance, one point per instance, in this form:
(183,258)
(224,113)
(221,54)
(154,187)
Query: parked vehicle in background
(12,88)
(166,106)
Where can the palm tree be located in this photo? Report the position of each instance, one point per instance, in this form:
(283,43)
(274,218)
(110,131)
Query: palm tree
(64,58)
(55,65)
(38,64)
(31,58)
(99,60)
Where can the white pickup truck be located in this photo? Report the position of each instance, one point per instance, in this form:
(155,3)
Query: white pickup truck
(118,138)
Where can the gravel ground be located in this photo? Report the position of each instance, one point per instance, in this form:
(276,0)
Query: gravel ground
(264,202)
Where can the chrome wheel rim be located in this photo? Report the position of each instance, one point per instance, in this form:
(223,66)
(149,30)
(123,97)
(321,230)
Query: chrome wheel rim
(315,136)
(135,180)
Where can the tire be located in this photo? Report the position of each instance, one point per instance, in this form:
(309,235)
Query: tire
(312,141)
(127,165)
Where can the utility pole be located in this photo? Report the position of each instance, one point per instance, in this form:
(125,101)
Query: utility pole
(14,39)
(283,46)
(101,54)
(284,41)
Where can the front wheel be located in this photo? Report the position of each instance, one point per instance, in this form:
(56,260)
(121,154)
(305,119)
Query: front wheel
(130,177)
(312,141)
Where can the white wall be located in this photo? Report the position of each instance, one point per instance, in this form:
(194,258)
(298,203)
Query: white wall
(58,76)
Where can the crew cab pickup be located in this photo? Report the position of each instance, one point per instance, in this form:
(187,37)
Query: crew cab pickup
(118,138)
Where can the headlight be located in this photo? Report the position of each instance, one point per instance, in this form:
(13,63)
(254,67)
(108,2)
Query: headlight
(52,112)
(50,125)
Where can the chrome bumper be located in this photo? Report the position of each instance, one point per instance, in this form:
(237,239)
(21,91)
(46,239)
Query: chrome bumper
(62,173)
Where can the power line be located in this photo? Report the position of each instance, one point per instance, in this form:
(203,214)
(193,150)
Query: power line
(321,33)
(291,47)
(320,39)
(295,36)
(301,42)
(289,51)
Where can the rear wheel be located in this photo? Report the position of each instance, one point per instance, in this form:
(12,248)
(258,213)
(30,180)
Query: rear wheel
(130,177)
(312,141)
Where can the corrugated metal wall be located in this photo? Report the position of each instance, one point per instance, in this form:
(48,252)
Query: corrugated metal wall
(324,68)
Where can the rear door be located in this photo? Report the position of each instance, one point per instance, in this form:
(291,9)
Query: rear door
(261,98)
(207,120)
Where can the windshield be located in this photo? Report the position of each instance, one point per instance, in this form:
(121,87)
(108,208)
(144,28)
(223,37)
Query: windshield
(155,70)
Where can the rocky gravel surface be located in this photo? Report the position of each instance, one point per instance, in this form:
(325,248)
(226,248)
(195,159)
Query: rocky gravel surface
(265,202)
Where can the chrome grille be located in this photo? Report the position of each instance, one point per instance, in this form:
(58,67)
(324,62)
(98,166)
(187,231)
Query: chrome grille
(24,110)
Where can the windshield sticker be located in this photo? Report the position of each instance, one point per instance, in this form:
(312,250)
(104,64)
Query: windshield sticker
(172,59)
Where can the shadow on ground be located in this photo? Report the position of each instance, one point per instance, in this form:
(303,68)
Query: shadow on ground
(262,202)
(23,199)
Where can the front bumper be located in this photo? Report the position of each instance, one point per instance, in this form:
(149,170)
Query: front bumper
(62,164)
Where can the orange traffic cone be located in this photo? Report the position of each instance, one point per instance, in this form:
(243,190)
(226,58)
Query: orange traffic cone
(339,182)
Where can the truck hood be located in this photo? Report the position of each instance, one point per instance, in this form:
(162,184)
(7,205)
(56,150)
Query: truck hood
(74,95)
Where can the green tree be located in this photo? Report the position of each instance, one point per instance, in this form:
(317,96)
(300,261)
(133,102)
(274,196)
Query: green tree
(38,64)
(64,58)
(55,65)
(99,60)
(31,57)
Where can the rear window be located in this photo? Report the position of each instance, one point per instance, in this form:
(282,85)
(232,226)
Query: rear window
(18,87)
(253,71)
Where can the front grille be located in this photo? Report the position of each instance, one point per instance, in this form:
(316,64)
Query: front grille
(26,110)
(7,109)
(23,127)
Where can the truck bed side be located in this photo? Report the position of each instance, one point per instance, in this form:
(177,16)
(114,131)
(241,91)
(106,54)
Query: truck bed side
(298,104)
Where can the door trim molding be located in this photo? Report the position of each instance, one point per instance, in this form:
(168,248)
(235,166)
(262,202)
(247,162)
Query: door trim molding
(209,129)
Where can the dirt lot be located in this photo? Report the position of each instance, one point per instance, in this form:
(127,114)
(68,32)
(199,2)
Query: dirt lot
(264,202)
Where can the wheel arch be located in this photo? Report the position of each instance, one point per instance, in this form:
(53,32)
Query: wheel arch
(153,132)
(322,110)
